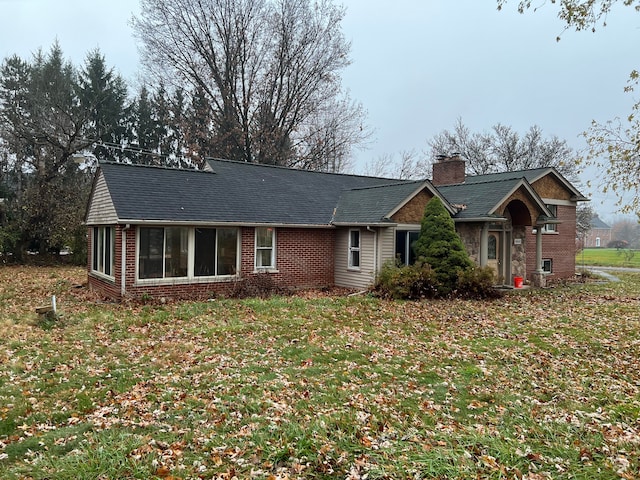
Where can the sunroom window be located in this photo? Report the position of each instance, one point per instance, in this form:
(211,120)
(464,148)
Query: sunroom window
(104,248)
(215,251)
(182,252)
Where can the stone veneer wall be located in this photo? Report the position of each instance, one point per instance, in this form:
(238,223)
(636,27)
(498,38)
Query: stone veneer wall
(519,251)
(470,235)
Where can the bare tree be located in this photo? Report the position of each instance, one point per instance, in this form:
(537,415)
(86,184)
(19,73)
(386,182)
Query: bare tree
(584,216)
(408,166)
(613,146)
(627,230)
(503,149)
(270,70)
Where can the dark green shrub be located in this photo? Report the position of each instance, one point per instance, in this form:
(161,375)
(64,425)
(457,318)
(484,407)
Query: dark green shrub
(411,282)
(440,246)
(477,283)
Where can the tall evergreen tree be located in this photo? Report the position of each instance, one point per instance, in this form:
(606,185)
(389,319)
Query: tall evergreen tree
(48,113)
(103,96)
(440,246)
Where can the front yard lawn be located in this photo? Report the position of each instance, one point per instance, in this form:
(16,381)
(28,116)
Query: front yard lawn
(539,384)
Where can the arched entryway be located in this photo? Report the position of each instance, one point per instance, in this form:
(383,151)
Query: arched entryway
(506,242)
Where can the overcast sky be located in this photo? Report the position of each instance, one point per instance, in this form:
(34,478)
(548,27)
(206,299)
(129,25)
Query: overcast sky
(418,65)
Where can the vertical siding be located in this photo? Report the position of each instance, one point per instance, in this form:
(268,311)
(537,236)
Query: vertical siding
(365,276)
(386,245)
(101,209)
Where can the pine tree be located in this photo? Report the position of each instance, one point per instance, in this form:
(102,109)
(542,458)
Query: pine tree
(440,246)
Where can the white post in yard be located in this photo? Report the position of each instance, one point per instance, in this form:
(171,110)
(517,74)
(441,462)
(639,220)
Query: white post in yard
(53,303)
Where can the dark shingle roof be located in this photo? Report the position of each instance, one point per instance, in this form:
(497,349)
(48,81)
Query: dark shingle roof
(249,193)
(597,223)
(530,175)
(234,192)
(373,204)
(479,199)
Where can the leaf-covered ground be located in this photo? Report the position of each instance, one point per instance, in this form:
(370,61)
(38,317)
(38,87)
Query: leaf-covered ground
(537,385)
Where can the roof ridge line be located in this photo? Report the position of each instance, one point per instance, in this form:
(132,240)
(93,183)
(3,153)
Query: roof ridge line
(394,184)
(292,169)
(156,167)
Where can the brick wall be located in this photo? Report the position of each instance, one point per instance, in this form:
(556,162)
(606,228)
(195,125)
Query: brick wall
(560,247)
(604,234)
(106,288)
(304,259)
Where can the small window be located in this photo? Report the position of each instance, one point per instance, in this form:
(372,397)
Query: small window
(405,240)
(547,265)
(104,250)
(492,253)
(551,227)
(265,248)
(354,249)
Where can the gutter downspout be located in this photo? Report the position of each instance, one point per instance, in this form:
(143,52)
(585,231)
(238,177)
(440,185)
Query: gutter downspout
(123,266)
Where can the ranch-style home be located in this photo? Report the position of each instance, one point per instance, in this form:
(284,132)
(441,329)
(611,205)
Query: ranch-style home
(176,233)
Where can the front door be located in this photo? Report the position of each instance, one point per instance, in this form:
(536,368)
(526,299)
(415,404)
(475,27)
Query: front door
(494,255)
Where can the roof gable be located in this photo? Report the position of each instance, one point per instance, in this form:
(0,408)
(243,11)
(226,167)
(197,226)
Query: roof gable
(100,209)
(541,179)
(485,201)
(382,203)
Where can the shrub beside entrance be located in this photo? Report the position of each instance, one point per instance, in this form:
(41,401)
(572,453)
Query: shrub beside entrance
(443,267)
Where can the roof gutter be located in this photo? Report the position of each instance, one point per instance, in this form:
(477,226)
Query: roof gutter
(187,223)
(480,219)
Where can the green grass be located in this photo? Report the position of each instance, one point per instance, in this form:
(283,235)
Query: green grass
(541,383)
(608,257)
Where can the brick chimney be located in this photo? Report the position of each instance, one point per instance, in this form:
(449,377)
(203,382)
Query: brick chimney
(448,170)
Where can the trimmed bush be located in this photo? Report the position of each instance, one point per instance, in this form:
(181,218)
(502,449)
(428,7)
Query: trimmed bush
(477,283)
(410,282)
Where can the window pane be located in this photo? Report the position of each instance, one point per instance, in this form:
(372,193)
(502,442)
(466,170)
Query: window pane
(413,238)
(355,239)
(175,253)
(227,251)
(263,258)
(355,258)
(108,253)
(150,252)
(204,262)
(96,250)
(112,264)
(100,250)
(492,253)
(401,246)
(264,237)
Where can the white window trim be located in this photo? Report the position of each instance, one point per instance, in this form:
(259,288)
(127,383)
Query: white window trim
(267,268)
(99,238)
(352,249)
(550,271)
(191,255)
